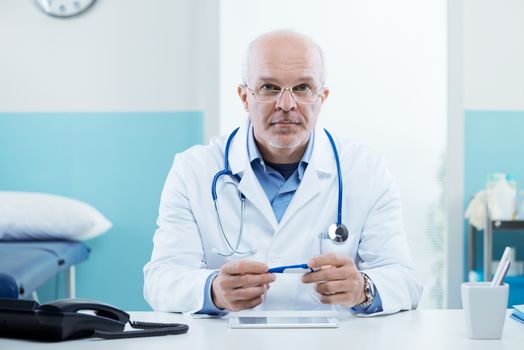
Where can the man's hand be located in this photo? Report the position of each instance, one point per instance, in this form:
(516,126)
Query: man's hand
(336,279)
(241,285)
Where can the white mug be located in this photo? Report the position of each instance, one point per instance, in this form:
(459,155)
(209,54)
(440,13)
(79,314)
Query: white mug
(484,309)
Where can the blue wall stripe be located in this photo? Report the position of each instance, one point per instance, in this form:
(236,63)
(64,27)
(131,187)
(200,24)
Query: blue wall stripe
(494,142)
(118,163)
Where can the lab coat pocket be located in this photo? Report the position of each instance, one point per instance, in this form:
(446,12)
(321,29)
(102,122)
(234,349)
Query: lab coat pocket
(326,245)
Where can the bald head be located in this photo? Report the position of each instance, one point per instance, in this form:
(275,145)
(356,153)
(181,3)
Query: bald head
(283,47)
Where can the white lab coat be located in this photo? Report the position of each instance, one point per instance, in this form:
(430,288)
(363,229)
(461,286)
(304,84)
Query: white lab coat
(188,235)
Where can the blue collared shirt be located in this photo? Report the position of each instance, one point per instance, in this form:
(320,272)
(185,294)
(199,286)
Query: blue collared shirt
(279,191)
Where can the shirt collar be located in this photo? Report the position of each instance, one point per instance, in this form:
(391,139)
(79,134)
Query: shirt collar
(254,153)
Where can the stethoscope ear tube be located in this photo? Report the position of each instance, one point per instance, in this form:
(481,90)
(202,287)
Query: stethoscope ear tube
(338,232)
(233,250)
(226,170)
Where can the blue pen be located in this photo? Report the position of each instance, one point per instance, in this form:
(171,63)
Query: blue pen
(283,269)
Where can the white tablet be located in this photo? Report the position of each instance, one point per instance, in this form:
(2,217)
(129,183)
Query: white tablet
(282,322)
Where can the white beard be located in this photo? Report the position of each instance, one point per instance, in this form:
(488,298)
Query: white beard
(276,142)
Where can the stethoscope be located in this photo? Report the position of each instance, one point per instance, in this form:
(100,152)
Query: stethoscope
(337,233)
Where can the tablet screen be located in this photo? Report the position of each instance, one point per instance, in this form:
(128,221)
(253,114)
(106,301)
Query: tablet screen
(282,322)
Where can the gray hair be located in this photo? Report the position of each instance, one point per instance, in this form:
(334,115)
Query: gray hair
(245,63)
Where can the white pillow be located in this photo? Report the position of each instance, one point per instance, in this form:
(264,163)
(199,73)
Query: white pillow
(29,215)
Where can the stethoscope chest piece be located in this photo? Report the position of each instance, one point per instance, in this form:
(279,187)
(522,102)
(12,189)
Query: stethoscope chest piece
(338,233)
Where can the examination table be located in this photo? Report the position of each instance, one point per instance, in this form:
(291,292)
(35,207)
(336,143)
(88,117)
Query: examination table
(26,265)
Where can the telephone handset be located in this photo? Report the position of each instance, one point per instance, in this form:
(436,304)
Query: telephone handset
(73,318)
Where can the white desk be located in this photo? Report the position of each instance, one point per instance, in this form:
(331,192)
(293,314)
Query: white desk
(421,330)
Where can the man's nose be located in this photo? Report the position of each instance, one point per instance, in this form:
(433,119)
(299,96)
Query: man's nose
(286,101)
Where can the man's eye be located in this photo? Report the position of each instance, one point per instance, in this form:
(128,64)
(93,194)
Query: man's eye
(302,88)
(269,88)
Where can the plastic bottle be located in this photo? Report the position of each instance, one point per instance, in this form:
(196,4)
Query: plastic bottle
(502,196)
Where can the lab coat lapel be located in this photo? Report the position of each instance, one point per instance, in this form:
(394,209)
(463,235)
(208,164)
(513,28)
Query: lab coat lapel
(309,187)
(249,185)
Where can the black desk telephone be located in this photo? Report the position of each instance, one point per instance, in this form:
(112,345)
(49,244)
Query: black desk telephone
(73,318)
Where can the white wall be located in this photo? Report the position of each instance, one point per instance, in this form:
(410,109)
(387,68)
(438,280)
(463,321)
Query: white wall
(494,55)
(386,68)
(121,55)
(380,65)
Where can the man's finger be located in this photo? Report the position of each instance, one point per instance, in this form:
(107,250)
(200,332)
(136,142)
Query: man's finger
(329,259)
(243,266)
(248,280)
(333,287)
(327,274)
(338,298)
(247,294)
(245,304)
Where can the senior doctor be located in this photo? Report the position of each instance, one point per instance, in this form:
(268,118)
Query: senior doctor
(277,182)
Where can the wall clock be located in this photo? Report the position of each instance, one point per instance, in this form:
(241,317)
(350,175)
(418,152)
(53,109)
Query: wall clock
(64,8)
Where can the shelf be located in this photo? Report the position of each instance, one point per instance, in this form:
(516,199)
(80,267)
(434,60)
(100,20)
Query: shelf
(492,227)
(508,224)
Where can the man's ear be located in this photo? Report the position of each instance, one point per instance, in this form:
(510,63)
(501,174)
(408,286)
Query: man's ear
(324,94)
(242,93)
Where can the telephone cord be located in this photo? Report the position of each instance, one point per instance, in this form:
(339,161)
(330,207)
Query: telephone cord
(144,329)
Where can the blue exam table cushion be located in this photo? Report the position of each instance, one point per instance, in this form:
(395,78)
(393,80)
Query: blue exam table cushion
(26,265)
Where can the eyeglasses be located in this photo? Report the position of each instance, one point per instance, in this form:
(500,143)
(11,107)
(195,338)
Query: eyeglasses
(272,93)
